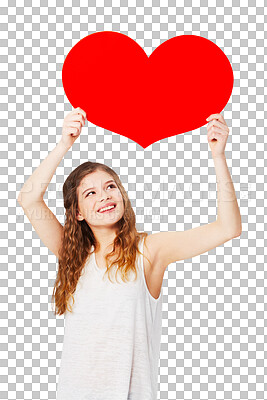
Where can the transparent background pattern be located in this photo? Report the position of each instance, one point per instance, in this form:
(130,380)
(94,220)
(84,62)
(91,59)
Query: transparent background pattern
(214,314)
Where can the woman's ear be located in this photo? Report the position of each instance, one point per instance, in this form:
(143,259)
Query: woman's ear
(79,216)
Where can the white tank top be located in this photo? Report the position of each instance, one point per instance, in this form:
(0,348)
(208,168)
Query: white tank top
(112,338)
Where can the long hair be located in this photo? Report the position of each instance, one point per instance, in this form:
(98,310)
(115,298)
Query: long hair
(78,239)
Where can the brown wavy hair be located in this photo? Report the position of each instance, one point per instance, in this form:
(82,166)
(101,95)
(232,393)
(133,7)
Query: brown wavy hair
(78,239)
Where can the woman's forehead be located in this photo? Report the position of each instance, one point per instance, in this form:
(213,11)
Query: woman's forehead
(95,178)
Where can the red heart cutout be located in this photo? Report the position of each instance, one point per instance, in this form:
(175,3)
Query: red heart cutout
(185,80)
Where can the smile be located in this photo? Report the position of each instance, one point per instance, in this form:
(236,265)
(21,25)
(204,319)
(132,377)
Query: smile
(109,209)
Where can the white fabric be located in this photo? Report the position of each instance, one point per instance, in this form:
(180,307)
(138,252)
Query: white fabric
(112,338)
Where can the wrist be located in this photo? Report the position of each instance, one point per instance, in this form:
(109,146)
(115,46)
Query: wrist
(219,157)
(63,146)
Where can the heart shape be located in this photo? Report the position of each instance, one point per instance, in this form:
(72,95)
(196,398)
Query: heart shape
(184,80)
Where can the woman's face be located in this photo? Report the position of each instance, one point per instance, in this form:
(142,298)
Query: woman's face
(95,191)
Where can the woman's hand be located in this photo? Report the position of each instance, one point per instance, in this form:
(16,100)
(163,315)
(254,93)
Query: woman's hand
(218,132)
(72,126)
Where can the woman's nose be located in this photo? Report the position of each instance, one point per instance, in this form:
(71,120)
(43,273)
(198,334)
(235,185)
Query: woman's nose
(105,196)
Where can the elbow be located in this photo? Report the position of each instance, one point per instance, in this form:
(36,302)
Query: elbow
(232,231)
(237,232)
(19,199)
(24,199)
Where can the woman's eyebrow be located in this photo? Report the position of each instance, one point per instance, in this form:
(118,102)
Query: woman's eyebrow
(112,180)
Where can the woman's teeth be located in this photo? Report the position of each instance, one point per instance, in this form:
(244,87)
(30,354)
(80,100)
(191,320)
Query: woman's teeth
(106,209)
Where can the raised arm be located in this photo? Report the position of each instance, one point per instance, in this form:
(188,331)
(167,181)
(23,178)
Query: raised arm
(31,195)
(169,247)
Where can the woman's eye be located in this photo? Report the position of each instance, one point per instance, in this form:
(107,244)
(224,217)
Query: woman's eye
(112,184)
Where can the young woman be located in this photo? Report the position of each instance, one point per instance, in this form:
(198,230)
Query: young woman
(109,280)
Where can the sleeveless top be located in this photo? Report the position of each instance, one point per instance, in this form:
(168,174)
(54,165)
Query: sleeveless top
(112,337)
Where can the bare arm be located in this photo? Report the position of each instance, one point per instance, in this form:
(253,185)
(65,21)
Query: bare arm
(34,188)
(228,210)
(31,195)
(168,247)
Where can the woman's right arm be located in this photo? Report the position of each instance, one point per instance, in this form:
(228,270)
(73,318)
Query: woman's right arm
(35,187)
(31,195)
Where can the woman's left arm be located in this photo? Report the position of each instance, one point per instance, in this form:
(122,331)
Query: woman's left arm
(228,213)
(169,247)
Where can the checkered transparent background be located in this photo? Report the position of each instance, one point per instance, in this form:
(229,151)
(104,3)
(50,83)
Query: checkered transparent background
(214,319)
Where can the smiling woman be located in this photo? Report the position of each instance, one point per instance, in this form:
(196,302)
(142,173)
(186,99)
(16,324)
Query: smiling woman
(108,321)
(89,188)
(112,329)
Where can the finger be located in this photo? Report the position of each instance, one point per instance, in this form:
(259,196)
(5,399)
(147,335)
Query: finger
(216,116)
(78,118)
(75,124)
(82,119)
(72,131)
(213,136)
(218,124)
(76,133)
(217,131)
(82,112)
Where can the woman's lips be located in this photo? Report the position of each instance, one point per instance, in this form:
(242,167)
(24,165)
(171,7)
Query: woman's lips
(103,212)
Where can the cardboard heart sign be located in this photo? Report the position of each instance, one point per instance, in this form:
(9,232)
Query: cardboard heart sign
(185,79)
